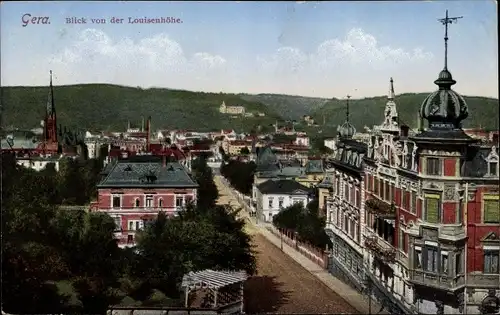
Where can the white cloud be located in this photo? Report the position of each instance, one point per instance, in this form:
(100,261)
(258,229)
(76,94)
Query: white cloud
(357,49)
(334,68)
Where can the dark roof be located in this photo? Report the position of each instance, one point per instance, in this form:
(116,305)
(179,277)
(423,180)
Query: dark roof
(314,167)
(348,156)
(434,135)
(267,160)
(151,174)
(476,164)
(283,186)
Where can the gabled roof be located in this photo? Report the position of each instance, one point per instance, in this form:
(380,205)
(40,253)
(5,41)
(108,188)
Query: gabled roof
(147,174)
(282,187)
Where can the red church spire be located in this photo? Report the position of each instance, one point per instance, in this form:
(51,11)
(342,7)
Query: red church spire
(51,121)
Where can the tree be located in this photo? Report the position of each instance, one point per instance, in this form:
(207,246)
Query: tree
(240,175)
(207,190)
(305,221)
(64,261)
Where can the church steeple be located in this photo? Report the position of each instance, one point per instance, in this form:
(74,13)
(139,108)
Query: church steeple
(51,107)
(51,143)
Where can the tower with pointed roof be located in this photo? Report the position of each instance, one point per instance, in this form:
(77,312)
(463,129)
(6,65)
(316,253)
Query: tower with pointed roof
(50,126)
(391,123)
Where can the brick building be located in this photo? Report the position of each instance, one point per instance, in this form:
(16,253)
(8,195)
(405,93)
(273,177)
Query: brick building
(134,190)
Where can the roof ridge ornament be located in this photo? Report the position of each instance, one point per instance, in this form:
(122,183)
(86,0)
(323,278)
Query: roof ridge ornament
(447,20)
(445,79)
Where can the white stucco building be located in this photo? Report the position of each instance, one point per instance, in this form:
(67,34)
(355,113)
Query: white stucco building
(274,195)
(38,163)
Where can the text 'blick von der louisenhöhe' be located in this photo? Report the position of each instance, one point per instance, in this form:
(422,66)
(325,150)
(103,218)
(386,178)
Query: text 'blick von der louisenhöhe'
(31,19)
(128,20)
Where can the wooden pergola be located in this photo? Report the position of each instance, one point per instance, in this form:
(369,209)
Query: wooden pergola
(220,288)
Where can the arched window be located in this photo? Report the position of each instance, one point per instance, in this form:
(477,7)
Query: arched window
(160,202)
(136,202)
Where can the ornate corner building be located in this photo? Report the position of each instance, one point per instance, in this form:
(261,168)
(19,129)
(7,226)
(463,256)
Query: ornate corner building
(428,213)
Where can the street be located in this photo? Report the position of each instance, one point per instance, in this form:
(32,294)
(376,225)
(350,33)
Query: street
(282,285)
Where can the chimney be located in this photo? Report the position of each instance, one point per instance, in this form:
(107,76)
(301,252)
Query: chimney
(148,133)
(404,131)
(164,161)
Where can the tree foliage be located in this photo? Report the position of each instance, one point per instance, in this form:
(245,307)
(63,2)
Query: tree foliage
(245,151)
(239,174)
(305,221)
(67,261)
(109,107)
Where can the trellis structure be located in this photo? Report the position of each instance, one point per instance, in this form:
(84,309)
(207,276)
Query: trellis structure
(222,288)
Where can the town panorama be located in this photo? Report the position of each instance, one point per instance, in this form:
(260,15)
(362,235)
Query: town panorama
(180,166)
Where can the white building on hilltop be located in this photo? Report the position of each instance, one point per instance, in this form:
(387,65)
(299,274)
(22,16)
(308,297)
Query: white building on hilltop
(232,110)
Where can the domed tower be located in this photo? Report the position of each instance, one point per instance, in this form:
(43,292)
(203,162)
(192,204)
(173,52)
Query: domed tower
(444,110)
(346,130)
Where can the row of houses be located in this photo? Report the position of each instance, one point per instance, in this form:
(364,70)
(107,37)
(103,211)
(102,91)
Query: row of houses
(414,218)
(413,215)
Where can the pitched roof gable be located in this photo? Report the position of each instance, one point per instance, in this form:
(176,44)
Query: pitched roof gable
(283,186)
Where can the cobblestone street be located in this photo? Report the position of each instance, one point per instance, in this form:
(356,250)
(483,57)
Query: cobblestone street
(282,285)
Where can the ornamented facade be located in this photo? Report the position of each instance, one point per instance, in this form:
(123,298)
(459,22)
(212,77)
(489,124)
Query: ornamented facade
(431,222)
(344,206)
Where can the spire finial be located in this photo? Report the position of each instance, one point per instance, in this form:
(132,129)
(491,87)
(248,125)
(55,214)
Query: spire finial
(347,109)
(447,20)
(51,108)
(391,90)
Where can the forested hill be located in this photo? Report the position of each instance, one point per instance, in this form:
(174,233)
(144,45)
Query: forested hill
(483,111)
(290,107)
(109,107)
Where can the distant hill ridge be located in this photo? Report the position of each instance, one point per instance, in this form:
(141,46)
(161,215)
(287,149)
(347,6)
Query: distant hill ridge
(110,107)
(483,111)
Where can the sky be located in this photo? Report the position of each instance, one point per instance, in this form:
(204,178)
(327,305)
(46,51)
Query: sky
(322,49)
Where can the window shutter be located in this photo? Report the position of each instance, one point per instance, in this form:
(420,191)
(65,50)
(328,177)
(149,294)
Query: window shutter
(491,211)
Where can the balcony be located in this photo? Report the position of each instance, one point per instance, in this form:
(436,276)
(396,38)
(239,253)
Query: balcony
(381,249)
(381,208)
(439,281)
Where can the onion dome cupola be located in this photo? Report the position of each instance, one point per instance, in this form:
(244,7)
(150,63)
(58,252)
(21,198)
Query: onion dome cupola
(444,108)
(346,130)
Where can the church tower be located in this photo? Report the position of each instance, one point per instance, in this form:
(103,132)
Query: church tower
(50,132)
